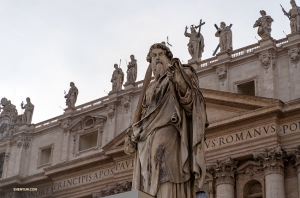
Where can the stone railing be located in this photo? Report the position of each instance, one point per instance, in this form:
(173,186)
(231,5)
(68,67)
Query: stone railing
(47,122)
(208,62)
(280,42)
(245,50)
(92,103)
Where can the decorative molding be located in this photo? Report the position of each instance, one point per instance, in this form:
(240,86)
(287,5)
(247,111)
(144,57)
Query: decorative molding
(223,171)
(113,189)
(250,169)
(221,72)
(267,59)
(126,100)
(272,159)
(111,111)
(24,141)
(294,55)
(294,153)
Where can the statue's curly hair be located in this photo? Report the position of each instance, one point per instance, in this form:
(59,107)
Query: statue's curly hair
(159,46)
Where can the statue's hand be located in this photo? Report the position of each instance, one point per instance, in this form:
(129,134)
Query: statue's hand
(186,27)
(173,73)
(130,146)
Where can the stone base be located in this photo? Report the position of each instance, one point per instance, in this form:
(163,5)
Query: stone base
(223,55)
(131,194)
(294,36)
(128,86)
(266,42)
(112,95)
(69,110)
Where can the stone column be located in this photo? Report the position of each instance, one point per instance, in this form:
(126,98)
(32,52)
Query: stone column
(272,160)
(294,153)
(223,171)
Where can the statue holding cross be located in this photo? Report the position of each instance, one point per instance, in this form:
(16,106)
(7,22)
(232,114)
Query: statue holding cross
(196,42)
(225,35)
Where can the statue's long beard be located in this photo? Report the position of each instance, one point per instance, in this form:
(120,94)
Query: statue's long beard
(159,70)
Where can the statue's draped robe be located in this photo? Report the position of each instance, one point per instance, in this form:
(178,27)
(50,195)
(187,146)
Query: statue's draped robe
(195,45)
(72,97)
(171,144)
(225,39)
(264,29)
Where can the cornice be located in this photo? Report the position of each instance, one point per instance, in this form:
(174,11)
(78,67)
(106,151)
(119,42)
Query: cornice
(76,164)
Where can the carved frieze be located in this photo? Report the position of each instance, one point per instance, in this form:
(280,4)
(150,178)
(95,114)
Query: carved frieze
(222,72)
(126,103)
(294,55)
(223,170)
(267,59)
(113,189)
(272,159)
(111,111)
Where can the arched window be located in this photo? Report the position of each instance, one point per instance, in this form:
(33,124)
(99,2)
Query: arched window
(253,189)
(201,194)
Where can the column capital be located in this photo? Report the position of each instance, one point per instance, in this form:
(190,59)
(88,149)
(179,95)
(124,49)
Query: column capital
(294,153)
(272,159)
(223,170)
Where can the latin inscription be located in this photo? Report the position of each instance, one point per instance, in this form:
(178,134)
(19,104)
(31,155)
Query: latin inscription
(94,176)
(240,136)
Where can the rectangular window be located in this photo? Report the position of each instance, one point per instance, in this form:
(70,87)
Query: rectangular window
(45,156)
(88,141)
(2,156)
(247,88)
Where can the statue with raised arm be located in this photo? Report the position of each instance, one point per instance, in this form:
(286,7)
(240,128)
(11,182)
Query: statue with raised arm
(264,25)
(72,95)
(131,70)
(117,79)
(29,107)
(168,134)
(196,42)
(294,16)
(225,35)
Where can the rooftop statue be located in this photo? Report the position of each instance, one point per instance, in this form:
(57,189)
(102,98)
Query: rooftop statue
(167,136)
(196,42)
(117,79)
(131,70)
(72,95)
(264,25)
(225,34)
(294,16)
(29,107)
(9,111)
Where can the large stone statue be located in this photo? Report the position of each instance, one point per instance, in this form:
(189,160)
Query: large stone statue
(264,25)
(117,79)
(72,95)
(9,110)
(294,16)
(131,70)
(29,107)
(169,135)
(196,43)
(225,34)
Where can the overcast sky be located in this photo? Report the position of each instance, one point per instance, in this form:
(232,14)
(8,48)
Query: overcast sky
(46,44)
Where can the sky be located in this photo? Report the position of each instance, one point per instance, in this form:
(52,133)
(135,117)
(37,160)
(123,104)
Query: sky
(46,44)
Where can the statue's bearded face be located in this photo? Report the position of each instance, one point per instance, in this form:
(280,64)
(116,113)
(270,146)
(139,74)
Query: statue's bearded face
(159,62)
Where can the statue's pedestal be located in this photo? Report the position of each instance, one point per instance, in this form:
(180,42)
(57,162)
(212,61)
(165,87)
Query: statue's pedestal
(267,42)
(293,37)
(131,194)
(69,110)
(128,86)
(112,95)
(223,55)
